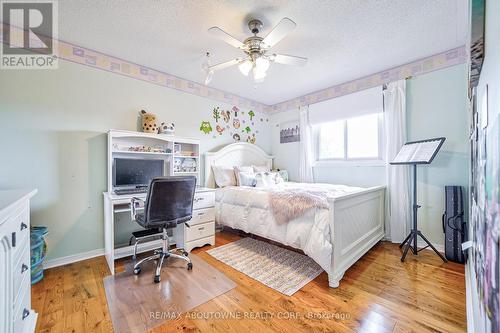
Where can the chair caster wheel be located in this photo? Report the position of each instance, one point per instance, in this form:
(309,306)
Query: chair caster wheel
(137,270)
(189,266)
(185,254)
(157,279)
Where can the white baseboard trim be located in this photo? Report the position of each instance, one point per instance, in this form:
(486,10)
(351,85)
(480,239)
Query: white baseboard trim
(72,258)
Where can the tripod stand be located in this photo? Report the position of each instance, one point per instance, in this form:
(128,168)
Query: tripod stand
(412,237)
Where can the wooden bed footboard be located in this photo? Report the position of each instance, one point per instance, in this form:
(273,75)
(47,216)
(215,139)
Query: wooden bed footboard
(356,224)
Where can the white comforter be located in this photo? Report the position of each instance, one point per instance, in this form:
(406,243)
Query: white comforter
(247,209)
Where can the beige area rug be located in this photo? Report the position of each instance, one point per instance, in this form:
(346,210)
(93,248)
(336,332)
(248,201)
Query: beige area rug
(280,269)
(137,304)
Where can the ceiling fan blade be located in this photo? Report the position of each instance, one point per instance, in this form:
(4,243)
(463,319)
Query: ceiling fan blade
(223,65)
(221,34)
(288,59)
(279,32)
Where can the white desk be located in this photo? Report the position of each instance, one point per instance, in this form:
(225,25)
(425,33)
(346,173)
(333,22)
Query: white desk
(201,231)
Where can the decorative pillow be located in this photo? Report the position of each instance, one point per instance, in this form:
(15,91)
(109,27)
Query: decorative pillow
(260,168)
(265,179)
(224,176)
(239,169)
(247,179)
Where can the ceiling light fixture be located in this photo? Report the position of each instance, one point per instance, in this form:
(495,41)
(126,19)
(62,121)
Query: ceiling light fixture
(255,50)
(245,67)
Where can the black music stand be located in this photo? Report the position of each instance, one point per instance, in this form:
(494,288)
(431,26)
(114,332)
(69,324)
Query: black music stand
(414,153)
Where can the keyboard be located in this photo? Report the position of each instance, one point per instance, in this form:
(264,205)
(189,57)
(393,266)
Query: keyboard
(122,191)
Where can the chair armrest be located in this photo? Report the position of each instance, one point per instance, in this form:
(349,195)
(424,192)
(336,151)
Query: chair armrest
(135,204)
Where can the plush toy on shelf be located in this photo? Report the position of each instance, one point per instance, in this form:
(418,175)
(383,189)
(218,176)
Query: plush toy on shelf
(148,122)
(166,128)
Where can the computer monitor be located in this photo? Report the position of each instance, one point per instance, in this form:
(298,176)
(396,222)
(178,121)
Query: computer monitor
(128,172)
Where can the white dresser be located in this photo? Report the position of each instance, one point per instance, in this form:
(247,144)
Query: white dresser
(16,314)
(200,230)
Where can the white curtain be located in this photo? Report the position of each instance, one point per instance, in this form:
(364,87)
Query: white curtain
(398,178)
(306,146)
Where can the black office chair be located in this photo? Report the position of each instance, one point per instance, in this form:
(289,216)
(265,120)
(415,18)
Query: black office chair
(169,202)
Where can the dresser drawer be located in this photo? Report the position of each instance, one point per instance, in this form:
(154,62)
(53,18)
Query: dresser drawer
(23,312)
(20,226)
(202,216)
(204,200)
(21,272)
(200,231)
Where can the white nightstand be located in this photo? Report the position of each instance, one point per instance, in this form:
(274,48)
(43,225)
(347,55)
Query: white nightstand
(201,230)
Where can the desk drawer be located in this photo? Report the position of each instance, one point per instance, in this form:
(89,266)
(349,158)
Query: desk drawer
(202,216)
(204,200)
(200,231)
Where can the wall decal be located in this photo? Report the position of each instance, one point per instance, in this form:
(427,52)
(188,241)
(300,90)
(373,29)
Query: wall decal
(289,132)
(226,115)
(219,129)
(216,114)
(205,127)
(236,123)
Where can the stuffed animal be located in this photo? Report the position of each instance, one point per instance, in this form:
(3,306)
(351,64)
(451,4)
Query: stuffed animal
(148,122)
(166,128)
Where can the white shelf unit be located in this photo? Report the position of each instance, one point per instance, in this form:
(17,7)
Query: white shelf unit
(128,144)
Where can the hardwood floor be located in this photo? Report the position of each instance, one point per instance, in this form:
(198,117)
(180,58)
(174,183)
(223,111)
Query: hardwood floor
(377,294)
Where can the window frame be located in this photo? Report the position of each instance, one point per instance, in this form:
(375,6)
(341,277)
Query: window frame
(359,161)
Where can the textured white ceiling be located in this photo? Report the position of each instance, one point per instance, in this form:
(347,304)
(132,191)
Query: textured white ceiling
(343,39)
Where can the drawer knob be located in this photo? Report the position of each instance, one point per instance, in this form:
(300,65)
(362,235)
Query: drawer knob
(26,313)
(24,268)
(201,228)
(23,226)
(200,214)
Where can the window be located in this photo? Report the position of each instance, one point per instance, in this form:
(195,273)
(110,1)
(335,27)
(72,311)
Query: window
(351,139)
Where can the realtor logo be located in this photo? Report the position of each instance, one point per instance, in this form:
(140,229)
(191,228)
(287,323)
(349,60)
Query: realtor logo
(29,35)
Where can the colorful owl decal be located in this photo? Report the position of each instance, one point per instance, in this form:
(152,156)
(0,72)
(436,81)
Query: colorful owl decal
(236,123)
(206,127)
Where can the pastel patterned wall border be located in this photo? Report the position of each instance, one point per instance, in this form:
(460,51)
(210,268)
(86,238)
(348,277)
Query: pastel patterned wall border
(98,60)
(442,60)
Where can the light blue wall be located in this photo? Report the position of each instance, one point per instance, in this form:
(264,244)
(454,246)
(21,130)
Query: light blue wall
(435,107)
(53,126)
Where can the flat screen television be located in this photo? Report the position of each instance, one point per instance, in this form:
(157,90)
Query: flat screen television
(129,172)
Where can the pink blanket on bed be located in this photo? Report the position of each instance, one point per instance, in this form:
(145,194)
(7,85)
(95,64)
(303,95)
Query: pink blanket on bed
(290,203)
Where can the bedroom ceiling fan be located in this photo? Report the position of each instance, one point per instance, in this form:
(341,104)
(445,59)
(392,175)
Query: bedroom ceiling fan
(257,57)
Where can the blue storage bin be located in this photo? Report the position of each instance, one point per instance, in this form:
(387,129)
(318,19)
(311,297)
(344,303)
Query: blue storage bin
(38,251)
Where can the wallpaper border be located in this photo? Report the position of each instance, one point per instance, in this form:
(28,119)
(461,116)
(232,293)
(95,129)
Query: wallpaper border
(91,58)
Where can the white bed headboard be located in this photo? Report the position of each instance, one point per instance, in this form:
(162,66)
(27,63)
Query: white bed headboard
(235,154)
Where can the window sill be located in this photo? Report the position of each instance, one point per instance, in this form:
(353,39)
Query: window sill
(351,163)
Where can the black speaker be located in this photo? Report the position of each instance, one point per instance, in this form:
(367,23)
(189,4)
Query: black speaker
(454,226)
